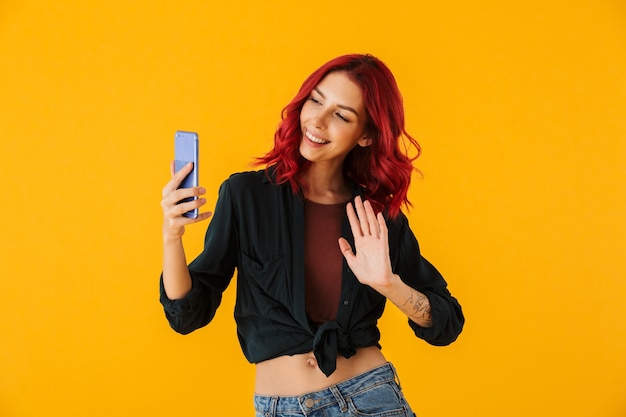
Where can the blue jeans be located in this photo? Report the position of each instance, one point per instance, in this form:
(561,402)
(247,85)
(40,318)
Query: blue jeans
(375,393)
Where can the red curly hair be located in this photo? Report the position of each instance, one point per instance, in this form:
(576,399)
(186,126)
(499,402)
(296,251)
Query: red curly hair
(382,169)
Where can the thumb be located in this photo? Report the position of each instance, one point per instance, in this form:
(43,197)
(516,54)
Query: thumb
(346,249)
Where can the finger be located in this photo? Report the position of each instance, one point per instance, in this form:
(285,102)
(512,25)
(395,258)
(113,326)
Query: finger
(202,216)
(178,210)
(382,225)
(177,195)
(191,205)
(177,177)
(360,211)
(371,219)
(355,226)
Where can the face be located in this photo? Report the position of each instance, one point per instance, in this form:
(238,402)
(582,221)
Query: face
(333,120)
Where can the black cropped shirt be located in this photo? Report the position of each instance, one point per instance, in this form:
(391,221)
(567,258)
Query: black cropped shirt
(257,228)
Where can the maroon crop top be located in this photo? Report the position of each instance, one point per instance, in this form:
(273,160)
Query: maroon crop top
(323,259)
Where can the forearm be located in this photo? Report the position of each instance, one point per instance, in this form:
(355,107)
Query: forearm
(410,301)
(176,278)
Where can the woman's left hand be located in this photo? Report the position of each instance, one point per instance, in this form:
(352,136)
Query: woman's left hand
(371,264)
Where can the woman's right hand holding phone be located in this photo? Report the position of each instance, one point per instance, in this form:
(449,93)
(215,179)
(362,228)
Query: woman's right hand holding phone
(173,220)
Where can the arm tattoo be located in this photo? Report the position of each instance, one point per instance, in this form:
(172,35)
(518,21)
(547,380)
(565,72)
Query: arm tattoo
(417,307)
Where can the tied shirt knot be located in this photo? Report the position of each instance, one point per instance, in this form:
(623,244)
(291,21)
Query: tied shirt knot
(329,341)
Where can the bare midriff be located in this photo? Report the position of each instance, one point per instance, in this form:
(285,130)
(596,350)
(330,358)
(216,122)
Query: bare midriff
(299,374)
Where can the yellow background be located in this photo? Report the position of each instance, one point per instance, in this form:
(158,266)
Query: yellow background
(520,109)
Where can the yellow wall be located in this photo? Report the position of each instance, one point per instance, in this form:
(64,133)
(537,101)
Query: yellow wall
(519,106)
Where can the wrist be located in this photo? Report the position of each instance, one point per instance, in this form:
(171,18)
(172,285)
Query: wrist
(172,235)
(172,239)
(388,285)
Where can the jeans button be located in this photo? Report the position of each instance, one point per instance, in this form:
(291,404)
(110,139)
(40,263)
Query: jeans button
(309,402)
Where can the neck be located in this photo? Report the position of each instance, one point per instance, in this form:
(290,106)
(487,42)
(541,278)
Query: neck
(325,186)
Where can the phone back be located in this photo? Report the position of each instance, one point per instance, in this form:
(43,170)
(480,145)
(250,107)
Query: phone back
(185,151)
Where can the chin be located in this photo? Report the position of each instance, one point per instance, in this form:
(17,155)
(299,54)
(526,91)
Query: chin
(305,157)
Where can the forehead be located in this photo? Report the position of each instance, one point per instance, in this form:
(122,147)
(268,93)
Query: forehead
(340,89)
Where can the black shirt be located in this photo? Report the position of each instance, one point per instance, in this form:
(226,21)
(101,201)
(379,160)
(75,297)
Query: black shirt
(257,228)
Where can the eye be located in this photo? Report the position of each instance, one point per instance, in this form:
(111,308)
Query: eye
(314,100)
(342,117)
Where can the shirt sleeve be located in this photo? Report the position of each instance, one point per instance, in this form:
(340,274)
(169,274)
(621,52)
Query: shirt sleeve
(418,273)
(211,271)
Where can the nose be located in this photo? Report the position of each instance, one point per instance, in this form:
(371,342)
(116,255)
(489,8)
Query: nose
(319,120)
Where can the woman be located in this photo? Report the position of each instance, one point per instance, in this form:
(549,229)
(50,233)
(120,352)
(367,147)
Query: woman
(319,244)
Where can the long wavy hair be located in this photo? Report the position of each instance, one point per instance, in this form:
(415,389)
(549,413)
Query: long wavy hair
(384,168)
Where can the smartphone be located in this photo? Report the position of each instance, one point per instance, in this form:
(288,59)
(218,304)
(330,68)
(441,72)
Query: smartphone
(185,151)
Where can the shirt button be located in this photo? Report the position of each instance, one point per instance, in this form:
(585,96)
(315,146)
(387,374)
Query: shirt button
(346,302)
(309,402)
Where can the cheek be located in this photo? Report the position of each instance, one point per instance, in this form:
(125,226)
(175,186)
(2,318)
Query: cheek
(304,118)
(305,111)
(346,131)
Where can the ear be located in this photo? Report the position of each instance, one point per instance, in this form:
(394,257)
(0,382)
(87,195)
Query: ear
(365,142)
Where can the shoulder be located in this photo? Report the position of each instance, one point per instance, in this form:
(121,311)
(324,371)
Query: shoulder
(247,179)
(253,192)
(398,223)
(399,230)
(251,182)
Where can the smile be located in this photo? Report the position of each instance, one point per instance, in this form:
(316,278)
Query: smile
(315,139)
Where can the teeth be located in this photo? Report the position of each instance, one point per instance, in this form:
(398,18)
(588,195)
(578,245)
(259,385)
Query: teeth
(315,139)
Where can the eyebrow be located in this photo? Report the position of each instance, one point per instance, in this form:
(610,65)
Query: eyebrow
(341,106)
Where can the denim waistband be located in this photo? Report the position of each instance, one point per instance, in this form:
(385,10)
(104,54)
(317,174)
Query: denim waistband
(335,394)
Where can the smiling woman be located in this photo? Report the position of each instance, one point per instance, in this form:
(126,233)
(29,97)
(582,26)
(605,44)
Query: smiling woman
(313,280)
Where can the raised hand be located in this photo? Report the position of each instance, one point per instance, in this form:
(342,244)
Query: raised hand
(370,264)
